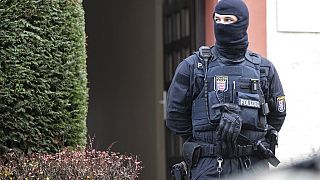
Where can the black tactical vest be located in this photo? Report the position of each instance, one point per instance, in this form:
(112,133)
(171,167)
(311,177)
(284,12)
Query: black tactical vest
(229,82)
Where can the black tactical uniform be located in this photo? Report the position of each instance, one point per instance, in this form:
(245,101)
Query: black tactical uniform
(228,104)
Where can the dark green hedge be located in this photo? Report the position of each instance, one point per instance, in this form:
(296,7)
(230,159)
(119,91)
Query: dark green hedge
(43,79)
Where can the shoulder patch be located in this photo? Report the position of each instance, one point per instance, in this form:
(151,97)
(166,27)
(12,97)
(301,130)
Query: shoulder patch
(281,103)
(182,79)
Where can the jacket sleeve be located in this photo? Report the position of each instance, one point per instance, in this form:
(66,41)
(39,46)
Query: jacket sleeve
(276,100)
(179,101)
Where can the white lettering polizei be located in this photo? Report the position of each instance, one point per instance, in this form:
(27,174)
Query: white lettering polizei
(249,103)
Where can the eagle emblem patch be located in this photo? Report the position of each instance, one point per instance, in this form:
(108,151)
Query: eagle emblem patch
(221,83)
(281,103)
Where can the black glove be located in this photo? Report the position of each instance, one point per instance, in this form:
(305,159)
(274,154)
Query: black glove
(230,123)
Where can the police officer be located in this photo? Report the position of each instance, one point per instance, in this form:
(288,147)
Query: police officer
(227,102)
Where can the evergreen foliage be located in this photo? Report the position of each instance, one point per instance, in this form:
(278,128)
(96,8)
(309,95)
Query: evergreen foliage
(43,79)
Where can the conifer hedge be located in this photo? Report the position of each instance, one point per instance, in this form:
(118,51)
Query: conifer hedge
(43,79)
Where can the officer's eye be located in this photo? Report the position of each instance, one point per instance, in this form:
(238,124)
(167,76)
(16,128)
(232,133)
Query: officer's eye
(217,19)
(228,19)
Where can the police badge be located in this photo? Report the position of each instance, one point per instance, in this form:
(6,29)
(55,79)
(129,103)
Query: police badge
(221,83)
(281,103)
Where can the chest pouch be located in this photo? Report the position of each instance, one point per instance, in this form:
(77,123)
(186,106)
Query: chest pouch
(250,105)
(215,99)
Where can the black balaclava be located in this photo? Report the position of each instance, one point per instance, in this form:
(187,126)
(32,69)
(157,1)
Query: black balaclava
(232,39)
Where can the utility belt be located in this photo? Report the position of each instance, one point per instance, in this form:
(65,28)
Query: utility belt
(214,150)
(193,151)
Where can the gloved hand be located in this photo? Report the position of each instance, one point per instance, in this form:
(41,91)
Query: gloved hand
(230,123)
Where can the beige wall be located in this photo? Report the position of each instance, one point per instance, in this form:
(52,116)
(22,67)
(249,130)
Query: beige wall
(257,26)
(209,34)
(296,56)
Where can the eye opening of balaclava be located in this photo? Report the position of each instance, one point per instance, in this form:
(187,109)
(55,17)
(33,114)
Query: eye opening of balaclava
(232,39)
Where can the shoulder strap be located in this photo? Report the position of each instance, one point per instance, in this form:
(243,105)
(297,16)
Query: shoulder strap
(253,57)
(257,60)
(203,53)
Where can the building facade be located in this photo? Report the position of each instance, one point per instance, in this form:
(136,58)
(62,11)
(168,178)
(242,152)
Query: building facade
(134,47)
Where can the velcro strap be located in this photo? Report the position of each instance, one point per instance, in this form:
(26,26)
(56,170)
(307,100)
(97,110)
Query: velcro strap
(210,150)
(245,86)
